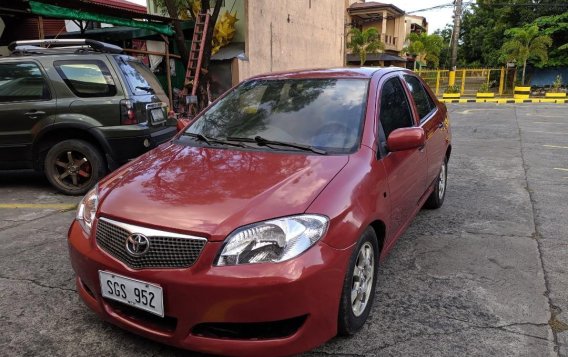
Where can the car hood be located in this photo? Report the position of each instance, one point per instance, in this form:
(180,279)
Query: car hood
(210,192)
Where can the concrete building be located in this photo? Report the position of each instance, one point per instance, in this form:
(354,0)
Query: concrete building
(279,35)
(393,25)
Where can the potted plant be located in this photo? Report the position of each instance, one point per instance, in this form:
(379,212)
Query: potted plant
(483,92)
(452,92)
(555,91)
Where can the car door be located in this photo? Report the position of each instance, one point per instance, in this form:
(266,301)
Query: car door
(432,121)
(89,90)
(406,170)
(26,103)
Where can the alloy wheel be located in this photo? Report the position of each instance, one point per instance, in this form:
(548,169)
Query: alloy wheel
(72,169)
(442,181)
(362,281)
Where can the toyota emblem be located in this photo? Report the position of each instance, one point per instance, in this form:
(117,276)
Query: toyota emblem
(137,244)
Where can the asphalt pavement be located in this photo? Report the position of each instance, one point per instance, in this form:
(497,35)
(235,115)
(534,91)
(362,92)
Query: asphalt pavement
(485,275)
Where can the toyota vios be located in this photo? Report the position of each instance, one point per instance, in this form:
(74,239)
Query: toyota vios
(258,230)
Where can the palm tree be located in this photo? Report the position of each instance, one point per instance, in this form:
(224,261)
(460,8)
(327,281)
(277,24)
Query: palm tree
(426,46)
(526,44)
(364,42)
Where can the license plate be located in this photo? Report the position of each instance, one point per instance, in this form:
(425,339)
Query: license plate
(136,293)
(157,115)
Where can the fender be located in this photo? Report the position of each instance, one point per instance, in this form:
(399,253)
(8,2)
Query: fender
(86,125)
(354,216)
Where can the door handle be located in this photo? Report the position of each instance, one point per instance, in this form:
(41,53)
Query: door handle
(34,114)
(440,125)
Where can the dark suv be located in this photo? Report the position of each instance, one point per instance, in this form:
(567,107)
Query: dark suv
(77,111)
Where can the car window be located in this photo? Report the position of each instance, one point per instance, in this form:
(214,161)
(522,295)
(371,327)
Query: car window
(394,111)
(324,113)
(424,104)
(139,77)
(22,82)
(87,78)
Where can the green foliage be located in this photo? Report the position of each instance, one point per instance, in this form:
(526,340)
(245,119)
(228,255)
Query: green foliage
(365,42)
(484,88)
(453,89)
(428,47)
(556,84)
(446,35)
(485,22)
(525,44)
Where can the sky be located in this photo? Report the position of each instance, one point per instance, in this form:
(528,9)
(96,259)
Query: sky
(437,19)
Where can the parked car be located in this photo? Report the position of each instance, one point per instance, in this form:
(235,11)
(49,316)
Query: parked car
(77,111)
(259,229)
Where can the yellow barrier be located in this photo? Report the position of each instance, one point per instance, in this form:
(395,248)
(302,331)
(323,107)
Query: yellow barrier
(469,80)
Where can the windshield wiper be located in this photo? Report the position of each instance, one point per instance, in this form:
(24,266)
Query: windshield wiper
(266,142)
(147,89)
(210,141)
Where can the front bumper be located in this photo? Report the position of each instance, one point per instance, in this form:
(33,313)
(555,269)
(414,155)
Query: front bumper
(307,287)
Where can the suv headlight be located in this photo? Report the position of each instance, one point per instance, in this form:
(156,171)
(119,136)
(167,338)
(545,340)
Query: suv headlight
(273,241)
(87,209)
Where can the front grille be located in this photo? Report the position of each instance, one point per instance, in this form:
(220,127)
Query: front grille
(250,331)
(166,250)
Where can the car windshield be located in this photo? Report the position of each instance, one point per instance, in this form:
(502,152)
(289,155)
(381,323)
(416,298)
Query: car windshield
(319,113)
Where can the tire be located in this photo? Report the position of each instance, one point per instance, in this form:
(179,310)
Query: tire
(354,311)
(74,166)
(436,198)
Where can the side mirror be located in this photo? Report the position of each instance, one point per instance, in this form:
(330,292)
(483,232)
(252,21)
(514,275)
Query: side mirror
(406,139)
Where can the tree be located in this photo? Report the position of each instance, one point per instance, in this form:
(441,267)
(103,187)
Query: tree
(485,22)
(188,9)
(426,46)
(446,35)
(526,44)
(365,42)
(556,26)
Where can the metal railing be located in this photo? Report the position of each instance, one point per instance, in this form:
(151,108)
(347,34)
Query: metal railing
(470,80)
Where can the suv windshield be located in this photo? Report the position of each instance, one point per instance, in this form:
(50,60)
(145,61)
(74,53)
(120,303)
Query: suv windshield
(139,77)
(320,113)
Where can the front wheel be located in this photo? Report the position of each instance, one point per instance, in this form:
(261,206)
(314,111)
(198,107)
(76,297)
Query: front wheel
(359,285)
(436,198)
(74,166)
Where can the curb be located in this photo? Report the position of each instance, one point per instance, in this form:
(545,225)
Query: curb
(505,100)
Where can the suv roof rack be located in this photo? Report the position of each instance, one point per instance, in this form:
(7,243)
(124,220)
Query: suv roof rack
(32,45)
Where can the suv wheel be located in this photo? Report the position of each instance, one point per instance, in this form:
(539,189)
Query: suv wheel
(74,166)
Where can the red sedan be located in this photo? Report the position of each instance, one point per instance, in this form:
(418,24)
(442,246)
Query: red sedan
(258,230)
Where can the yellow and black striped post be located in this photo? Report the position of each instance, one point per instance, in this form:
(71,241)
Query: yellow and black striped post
(522,92)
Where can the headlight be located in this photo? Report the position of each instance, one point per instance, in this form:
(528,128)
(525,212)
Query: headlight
(87,209)
(273,241)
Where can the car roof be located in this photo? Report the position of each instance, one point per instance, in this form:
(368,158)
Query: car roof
(345,72)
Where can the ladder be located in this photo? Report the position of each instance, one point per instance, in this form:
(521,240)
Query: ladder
(193,70)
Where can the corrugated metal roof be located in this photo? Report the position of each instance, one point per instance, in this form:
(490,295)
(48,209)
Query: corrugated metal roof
(230,51)
(375,57)
(372,6)
(122,4)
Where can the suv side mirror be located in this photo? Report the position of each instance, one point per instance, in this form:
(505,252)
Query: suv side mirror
(406,139)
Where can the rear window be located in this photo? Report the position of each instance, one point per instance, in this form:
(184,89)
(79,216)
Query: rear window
(87,78)
(22,82)
(139,78)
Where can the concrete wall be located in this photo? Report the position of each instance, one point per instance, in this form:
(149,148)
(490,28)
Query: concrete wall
(293,34)
(3,49)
